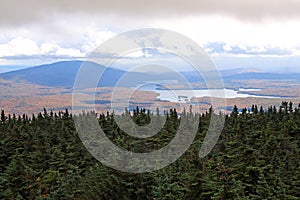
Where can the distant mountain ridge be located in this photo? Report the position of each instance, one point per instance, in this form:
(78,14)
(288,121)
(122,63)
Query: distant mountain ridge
(262,76)
(246,74)
(60,74)
(63,74)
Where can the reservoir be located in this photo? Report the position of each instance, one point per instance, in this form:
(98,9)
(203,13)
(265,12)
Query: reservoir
(184,95)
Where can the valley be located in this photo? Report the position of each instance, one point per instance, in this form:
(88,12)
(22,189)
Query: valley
(33,89)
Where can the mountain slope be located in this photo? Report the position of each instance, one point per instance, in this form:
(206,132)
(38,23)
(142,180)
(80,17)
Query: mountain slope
(60,74)
(63,74)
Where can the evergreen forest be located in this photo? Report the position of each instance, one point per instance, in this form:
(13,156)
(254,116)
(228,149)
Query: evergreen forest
(256,157)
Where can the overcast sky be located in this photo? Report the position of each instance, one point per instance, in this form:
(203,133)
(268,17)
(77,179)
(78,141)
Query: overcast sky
(235,33)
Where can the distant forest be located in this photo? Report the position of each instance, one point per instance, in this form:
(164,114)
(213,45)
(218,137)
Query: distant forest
(256,157)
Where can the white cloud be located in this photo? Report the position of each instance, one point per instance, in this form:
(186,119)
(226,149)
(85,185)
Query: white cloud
(49,48)
(296,52)
(85,33)
(227,47)
(93,37)
(19,46)
(72,30)
(257,50)
(250,37)
(69,52)
(25,47)
(135,54)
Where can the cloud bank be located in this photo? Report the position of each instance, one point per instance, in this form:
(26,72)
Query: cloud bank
(15,12)
(35,31)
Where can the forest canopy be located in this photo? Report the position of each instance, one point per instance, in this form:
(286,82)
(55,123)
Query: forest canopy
(256,157)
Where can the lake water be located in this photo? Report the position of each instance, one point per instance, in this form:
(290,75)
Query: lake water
(186,95)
